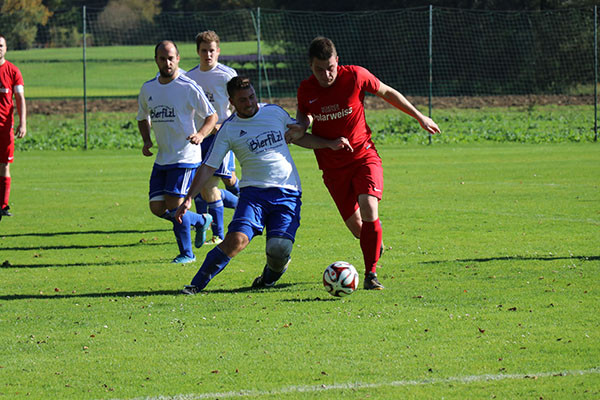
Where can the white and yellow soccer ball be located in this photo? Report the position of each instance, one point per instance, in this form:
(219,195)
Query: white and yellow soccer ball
(340,279)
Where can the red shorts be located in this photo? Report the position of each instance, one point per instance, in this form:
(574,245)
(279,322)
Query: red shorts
(364,176)
(7,144)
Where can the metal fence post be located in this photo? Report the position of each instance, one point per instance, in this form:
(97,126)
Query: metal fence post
(430,61)
(85,135)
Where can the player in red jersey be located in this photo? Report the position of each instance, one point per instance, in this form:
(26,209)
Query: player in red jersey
(332,100)
(11,82)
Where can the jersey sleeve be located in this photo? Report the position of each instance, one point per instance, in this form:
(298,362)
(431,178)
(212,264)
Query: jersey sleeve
(219,148)
(366,80)
(301,97)
(143,112)
(18,78)
(202,106)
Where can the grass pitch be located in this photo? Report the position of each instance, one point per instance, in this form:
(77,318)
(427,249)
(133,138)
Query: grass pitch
(492,274)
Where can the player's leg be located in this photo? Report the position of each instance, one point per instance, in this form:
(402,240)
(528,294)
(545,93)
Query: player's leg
(247,222)
(282,222)
(368,182)
(212,195)
(176,182)
(7,149)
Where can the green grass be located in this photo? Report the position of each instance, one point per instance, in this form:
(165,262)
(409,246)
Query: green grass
(113,71)
(542,124)
(493,269)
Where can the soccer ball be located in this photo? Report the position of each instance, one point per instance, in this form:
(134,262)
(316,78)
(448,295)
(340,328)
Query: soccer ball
(340,279)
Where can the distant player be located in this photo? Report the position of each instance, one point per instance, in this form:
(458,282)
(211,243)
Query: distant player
(11,83)
(270,187)
(213,76)
(332,100)
(169,103)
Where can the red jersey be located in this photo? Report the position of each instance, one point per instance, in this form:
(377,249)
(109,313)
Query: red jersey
(338,111)
(10,76)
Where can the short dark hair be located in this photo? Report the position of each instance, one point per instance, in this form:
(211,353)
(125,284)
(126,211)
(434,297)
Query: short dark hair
(238,83)
(164,43)
(321,48)
(207,37)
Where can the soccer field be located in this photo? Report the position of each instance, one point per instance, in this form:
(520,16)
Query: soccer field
(492,275)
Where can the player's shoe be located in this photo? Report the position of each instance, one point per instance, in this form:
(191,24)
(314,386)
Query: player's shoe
(259,284)
(371,282)
(190,290)
(181,259)
(5,213)
(213,241)
(201,231)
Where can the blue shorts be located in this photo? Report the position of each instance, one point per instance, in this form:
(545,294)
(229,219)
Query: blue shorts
(172,181)
(227,167)
(274,208)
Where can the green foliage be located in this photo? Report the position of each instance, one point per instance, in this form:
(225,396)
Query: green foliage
(19,20)
(491,277)
(538,124)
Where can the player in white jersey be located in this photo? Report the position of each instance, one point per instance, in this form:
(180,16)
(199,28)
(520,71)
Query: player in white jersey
(213,76)
(168,105)
(270,188)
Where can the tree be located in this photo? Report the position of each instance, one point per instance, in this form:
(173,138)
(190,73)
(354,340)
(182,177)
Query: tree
(121,20)
(19,20)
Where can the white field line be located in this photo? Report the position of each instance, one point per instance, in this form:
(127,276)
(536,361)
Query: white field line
(358,385)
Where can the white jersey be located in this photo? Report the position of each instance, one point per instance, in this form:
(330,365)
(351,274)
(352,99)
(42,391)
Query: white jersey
(171,108)
(214,84)
(260,147)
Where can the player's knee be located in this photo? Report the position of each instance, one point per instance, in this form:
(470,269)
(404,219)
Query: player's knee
(278,253)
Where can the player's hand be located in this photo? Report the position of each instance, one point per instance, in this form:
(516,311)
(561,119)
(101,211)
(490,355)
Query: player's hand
(195,138)
(295,132)
(341,143)
(21,132)
(182,209)
(146,149)
(430,126)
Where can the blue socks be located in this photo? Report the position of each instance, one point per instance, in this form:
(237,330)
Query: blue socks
(214,263)
(229,199)
(183,231)
(215,209)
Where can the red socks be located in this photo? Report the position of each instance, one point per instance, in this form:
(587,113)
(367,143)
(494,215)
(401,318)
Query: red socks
(4,190)
(370,243)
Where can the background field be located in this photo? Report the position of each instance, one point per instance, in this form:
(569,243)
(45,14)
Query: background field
(492,275)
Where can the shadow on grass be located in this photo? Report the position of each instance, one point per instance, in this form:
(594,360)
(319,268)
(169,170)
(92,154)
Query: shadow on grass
(139,293)
(7,265)
(515,258)
(92,246)
(95,232)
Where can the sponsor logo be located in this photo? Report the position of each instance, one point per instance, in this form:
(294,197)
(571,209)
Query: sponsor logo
(266,141)
(162,114)
(313,100)
(327,115)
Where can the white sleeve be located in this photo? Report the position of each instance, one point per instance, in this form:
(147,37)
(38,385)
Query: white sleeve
(220,147)
(202,106)
(142,107)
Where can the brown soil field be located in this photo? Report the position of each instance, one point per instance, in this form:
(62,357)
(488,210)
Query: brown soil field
(72,106)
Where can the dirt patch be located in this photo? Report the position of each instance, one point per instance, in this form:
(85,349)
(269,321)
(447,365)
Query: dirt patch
(67,106)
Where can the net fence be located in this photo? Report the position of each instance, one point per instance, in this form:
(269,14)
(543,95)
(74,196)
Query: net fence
(453,57)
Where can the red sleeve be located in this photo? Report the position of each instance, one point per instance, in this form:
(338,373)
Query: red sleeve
(366,80)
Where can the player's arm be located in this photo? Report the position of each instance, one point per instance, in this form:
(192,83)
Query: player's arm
(297,130)
(21,111)
(144,128)
(206,129)
(203,173)
(296,134)
(396,99)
